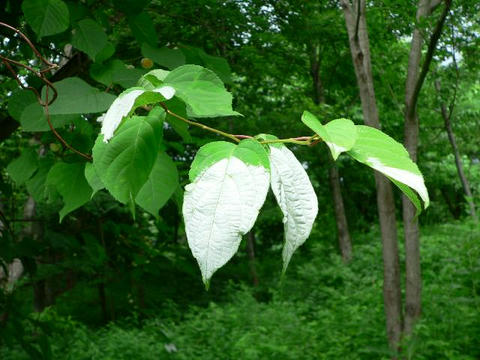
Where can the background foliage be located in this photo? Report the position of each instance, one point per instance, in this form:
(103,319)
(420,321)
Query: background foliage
(101,285)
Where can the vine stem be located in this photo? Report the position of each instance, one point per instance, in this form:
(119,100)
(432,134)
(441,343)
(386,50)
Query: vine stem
(41,74)
(301,140)
(200,125)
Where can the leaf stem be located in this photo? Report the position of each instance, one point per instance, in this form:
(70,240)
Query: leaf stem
(200,125)
(301,140)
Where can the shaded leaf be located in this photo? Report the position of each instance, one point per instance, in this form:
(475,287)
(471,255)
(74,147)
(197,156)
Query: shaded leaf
(69,180)
(161,184)
(46,17)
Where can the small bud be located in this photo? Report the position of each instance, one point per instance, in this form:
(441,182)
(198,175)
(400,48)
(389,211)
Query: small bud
(147,63)
(54,147)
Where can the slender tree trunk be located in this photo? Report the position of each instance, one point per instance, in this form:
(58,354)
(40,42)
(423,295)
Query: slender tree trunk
(344,240)
(356,23)
(343,233)
(414,82)
(458,160)
(251,257)
(413,286)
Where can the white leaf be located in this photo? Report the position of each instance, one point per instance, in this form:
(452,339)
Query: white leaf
(166,91)
(406,177)
(117,111)
(295,196)
(219,207)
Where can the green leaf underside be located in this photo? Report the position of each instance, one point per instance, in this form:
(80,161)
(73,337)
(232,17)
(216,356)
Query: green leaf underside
(202,91)
(249,151)
(169,58)
(93,178)
(409,193)
(340,134)
(69,180)
(89,37)
(124,164)
(46,17)
(382,153)
(160,186)
(22,168)
(75,96)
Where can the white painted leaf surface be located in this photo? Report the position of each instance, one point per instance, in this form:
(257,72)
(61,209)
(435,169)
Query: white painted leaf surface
(118,110)
(123,105)
(295,196)
(219,207)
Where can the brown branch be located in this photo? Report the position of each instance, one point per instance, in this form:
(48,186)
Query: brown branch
(428,58)
(41,74)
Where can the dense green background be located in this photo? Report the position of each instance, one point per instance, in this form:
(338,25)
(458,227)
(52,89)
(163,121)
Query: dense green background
(101,285)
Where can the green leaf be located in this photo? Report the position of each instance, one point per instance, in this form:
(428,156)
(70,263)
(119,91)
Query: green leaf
(202,91)
(75,96)
(33,118)
(181,128)
(295,196)
(124,164)
(382,153)
(69,180)
(153,79)
(130,6)
(126,77)
(217,64)
(46,17)
(89,37)
(18,101)
(340,135)
(161,184)
(93,178)
(249,151)
(169,58)
(36,184)
(106,53)
(143,29)
(115,72)
(223,200)
(22,168)
(23,106)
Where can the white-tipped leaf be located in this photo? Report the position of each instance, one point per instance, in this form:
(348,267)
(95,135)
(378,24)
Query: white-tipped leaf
(219,207)
(120,108)
(126,103)
(295,196)
(382,153)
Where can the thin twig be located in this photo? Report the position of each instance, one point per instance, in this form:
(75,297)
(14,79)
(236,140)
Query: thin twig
(428,58)
(41,74)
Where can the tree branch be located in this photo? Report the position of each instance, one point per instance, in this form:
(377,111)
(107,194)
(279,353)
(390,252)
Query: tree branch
(428,58)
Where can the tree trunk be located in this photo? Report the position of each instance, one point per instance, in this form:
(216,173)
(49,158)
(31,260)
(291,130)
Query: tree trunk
(343,233)
(413,286)
(344,240)
(458,160)
(355,19)
(251,257)
(414,82)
